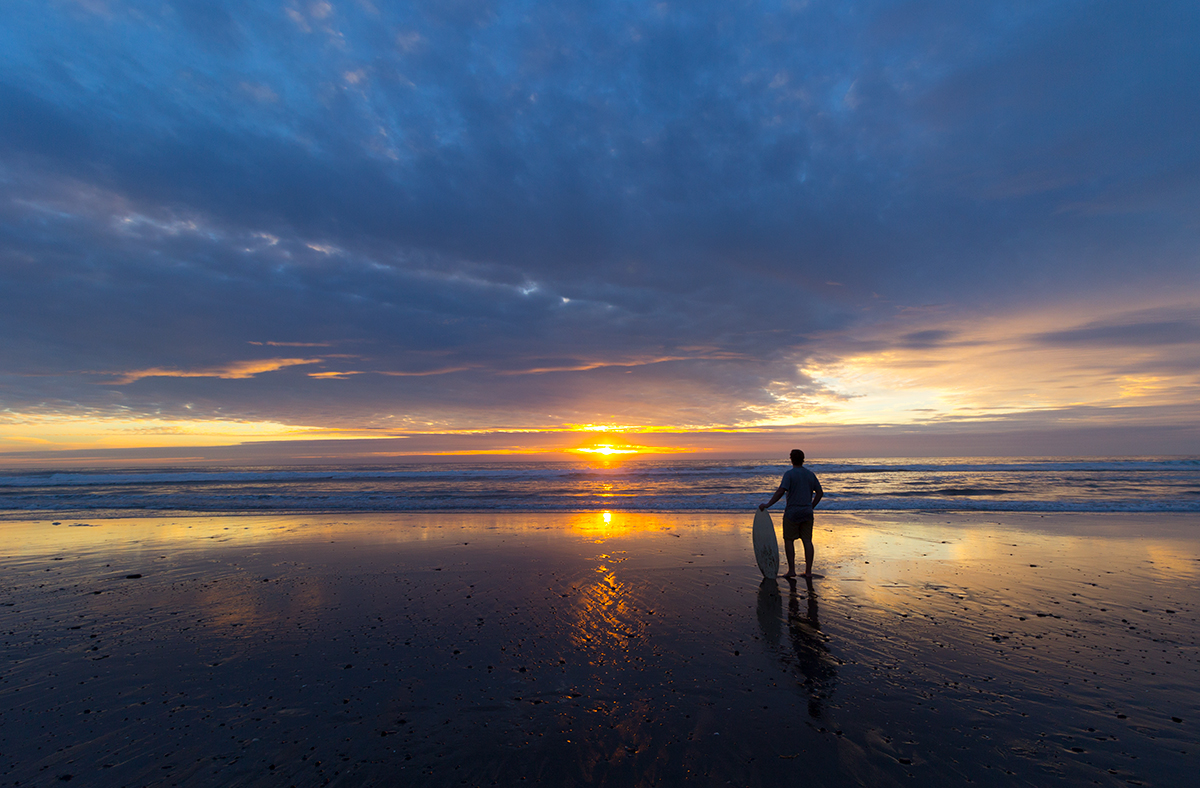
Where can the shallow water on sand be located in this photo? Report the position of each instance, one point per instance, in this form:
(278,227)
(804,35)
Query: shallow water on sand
(643,649)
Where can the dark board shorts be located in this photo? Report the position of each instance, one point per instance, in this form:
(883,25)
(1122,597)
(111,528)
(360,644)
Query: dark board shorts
(798,527)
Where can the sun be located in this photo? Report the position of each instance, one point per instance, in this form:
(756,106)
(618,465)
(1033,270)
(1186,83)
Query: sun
(606,449)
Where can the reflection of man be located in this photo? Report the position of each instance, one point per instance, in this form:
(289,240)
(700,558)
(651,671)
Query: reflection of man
(803,493)
(812,654)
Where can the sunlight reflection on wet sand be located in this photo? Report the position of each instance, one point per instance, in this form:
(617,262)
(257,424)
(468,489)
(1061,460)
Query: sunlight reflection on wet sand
(597,648)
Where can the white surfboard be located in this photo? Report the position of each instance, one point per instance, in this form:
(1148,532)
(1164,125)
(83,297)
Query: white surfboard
(766,546)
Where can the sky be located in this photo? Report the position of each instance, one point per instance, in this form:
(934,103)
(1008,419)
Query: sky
(289,231)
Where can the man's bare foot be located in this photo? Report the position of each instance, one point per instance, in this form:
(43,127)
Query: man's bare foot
(791,574)
(806,574)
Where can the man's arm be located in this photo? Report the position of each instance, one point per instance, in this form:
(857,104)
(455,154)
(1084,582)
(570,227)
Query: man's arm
(774,498)
(818,493)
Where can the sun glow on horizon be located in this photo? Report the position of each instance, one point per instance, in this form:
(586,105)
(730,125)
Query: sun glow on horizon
(608,450)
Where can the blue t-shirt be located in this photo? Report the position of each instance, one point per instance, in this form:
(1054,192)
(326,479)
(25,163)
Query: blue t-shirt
(801,485)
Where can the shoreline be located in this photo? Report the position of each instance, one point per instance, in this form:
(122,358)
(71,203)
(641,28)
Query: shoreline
(17,515)
(498,647)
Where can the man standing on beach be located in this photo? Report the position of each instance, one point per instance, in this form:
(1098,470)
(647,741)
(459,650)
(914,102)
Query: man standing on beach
(803,493)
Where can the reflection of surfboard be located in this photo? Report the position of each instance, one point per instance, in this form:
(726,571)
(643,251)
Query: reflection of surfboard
(770,611)
(766,546)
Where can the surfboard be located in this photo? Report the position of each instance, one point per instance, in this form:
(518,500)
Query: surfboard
(766,546)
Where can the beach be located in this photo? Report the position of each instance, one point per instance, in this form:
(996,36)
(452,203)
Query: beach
(598,648)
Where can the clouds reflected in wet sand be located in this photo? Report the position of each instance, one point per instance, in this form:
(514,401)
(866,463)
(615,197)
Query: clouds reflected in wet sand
(634,650)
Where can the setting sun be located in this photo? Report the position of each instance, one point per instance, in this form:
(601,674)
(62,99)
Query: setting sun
(607,450)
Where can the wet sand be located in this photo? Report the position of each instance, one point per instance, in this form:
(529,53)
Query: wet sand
(496,649)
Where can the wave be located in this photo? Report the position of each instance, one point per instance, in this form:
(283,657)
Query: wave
(517,503)
(577,471)
(965,483)
(1026,466)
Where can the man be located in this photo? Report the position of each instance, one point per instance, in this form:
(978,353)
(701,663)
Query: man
(803,494)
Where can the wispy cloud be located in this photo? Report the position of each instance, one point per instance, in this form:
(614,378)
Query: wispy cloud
(1142,334)
(236,370)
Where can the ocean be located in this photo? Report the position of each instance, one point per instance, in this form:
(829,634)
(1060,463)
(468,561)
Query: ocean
(1147,484)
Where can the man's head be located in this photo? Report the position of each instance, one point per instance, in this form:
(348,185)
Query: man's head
(797,457)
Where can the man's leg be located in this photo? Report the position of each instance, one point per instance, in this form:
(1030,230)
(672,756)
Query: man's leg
(808,555)
(789,549)
(806,531)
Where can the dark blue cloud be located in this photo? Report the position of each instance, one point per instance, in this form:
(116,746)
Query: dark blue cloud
(1146,334)
(679,198)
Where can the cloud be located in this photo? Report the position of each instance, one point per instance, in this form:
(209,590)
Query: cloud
(928,338)
(1145,334)
(582,211)
(237,370)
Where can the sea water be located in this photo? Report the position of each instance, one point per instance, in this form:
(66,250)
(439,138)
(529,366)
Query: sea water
(1147,484)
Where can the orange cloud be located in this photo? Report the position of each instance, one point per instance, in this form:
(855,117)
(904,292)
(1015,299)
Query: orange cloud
(349,372)
(697,353)
(237,370)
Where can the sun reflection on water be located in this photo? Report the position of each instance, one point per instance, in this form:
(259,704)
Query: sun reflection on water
(607,616)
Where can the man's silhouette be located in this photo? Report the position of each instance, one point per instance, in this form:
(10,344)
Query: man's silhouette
(803,493)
